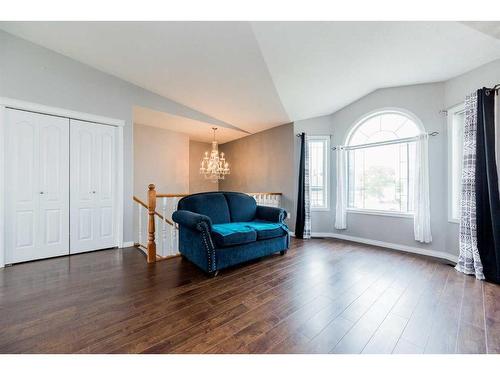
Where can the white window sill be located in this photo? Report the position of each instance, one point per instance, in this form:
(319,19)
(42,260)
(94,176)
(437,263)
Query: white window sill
(380,213)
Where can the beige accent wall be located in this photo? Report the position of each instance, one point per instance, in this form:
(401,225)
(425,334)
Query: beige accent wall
(263,162)
(198,183)
(160,157)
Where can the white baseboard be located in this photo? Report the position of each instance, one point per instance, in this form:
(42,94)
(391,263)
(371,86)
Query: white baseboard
(128,244)
(410,249)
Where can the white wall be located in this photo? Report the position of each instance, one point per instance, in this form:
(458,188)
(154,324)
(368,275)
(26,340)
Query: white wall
(32,73)
(161,157)
(263,162)
(457,88)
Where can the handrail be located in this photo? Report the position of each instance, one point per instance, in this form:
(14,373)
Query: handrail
(264,193)
(156,212)
(159,195)
(171,195)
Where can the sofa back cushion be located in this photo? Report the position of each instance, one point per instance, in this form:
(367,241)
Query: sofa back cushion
(242,207)
(213,205)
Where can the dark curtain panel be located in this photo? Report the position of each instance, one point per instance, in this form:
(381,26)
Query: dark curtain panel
(301,202)
(487,197)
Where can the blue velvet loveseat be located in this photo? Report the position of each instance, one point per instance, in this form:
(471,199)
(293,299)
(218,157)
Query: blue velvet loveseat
(221,229)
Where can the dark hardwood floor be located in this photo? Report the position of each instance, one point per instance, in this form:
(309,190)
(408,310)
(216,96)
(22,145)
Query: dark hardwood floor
(324,296)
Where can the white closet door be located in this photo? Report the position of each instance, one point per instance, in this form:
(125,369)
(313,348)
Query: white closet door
(37,186)
(93,175)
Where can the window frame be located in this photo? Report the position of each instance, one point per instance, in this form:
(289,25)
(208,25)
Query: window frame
(326,169)
(352,131)
(451,113)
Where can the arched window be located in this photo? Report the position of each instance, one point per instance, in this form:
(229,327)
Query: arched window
(381,162)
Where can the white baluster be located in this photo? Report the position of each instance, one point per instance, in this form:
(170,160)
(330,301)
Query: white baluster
(174,232)
(140,225)
(176,229)
(164,245)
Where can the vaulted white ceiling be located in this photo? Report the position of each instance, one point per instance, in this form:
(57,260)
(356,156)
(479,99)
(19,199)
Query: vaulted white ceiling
(320,67)
(256,75)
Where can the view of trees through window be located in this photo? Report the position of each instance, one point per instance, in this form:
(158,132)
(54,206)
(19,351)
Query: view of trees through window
(381,163)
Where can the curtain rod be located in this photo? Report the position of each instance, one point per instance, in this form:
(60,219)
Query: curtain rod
(316,135)
(495,89)
(384,143)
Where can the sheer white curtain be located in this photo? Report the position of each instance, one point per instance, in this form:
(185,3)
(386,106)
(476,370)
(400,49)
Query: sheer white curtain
(422,219)
(341,205)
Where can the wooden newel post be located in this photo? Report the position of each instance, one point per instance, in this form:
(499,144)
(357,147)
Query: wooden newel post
(151,224)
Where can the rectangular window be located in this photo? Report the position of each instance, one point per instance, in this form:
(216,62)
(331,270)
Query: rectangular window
(380,177)
(456,122)
(318,147)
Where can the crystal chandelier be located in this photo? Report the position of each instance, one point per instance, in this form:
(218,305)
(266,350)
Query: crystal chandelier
(214,167)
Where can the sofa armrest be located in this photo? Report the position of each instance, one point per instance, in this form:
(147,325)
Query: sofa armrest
(273,214)
(191,220)
(195,241)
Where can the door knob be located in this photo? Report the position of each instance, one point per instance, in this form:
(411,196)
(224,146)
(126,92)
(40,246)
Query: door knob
(41,192)
(93,192)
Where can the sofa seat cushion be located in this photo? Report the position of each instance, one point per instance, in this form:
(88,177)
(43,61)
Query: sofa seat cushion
(230,234)
(267,229)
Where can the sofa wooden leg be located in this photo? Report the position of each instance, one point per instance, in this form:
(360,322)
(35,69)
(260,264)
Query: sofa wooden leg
(283,252)
(213,274)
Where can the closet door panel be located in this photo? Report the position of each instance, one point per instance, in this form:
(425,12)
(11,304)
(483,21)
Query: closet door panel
(24,225)
(37,208)
(24,145)
(105,197)
(53,227)
(82,184)
(82,199)
(85,227)
(92,181)
(54,183)
(22,198)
